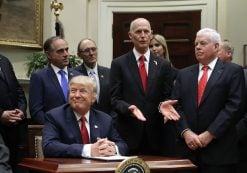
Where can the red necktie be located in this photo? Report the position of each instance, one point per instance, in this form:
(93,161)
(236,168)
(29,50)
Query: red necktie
(202,83)
(143,72)
(84,132)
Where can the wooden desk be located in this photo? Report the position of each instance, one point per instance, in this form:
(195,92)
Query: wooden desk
(69,165)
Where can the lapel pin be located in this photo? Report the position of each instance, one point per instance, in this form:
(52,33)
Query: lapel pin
(155,62)
(95,126)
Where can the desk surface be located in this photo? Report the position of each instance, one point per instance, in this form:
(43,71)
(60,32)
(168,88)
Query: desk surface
(73,165)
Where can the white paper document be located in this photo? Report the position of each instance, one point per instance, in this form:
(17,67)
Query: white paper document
(112,158)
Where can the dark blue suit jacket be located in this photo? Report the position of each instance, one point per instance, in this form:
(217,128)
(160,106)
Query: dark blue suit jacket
(62,135)
(104,103)
(217,112)
(45,92)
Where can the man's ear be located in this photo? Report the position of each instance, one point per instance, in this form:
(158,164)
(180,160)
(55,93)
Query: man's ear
(130,35)
(94,98)
(47,54)
(217,46)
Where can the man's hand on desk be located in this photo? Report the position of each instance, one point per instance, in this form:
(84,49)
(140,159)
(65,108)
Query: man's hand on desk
(168,111)
(103,147)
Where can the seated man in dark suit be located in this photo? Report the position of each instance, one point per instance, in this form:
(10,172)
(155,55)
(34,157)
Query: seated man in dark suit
(75,129)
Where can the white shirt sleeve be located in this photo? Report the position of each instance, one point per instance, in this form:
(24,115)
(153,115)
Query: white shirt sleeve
(86,150)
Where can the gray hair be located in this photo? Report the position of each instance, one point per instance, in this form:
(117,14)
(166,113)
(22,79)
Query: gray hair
(213,34)
(133,23)
(79,44)
(227,46)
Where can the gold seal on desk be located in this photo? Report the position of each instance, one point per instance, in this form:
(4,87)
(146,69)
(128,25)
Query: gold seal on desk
(133,165)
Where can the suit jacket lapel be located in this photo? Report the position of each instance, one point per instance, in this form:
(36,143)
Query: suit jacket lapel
(94,127)
(102,80)
(52,76)
(216,73)
(193,82)
(70,73)
(83,70)
(73,124)
(153,64)
(134,71)
(2,69)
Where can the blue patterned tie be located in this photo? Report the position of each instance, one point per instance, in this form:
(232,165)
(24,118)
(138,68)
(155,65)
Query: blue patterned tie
(92,74)
(64,84)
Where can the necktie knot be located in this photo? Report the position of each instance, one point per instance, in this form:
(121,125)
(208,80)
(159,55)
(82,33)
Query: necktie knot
(142,59)
(61,72)
(92,73)
(205,68)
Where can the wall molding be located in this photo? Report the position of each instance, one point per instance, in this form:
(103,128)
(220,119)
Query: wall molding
(106,8)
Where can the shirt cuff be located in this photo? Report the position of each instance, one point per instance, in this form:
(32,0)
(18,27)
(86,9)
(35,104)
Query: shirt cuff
(86,150)
(185,130)
(159,107)
(117,150)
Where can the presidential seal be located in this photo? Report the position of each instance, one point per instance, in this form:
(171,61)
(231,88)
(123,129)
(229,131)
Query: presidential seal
(133,165)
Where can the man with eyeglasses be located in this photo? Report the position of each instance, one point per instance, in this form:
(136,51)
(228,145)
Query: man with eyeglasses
(87,51)
(49,86)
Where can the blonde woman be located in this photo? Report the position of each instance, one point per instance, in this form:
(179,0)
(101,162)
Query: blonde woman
(158,46)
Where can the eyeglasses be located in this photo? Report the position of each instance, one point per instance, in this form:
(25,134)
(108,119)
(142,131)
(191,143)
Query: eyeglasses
(87,50)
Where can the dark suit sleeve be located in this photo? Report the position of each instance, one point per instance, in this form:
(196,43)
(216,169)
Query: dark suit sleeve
(228,114)
(114,136)
(167,79)
(242,124)
(17,95)
(36,104)
(53,145)
(116,83)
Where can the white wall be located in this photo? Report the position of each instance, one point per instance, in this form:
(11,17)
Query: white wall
(232,25)
(81,19)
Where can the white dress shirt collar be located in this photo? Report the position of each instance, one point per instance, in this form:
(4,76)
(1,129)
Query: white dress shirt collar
(137,55)
(211,65)
(91,69)
(78,116)
(56,69)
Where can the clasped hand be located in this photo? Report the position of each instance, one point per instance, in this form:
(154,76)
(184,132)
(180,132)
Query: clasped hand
(12,117)
(195,141)
(103,147)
